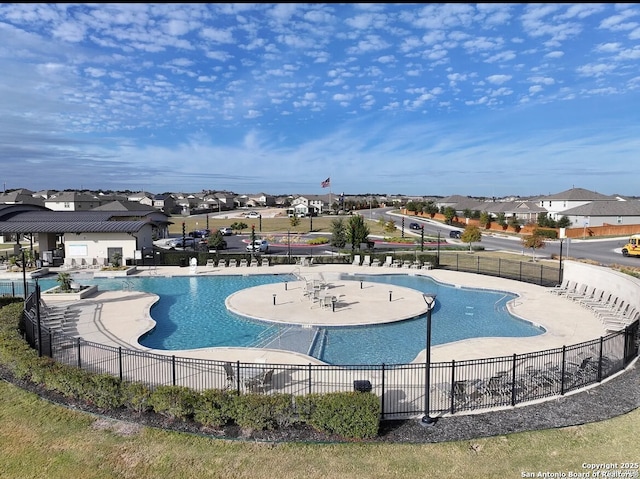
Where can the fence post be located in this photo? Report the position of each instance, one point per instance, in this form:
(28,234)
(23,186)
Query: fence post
(79,359)
(564,369)
(120,362)
(238,376)
(50,344)
(309,368)
(513,377)
(499,268)
(173,370)
(453,381)
(382,394)
(520,274)
(478,264)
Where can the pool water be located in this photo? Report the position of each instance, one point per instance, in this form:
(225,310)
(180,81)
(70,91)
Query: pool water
(191,314)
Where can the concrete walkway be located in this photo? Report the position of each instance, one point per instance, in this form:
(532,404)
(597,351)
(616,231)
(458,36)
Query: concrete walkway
(119,318)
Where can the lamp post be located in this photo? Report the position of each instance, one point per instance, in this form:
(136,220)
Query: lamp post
(427,420)
(560,271)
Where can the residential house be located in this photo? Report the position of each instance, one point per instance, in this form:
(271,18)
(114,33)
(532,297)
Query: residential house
(601,213)
(21,196)
(558,203)
(72,201)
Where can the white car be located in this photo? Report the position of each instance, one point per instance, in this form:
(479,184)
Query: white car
(258,246)
(226,231)
(253,214)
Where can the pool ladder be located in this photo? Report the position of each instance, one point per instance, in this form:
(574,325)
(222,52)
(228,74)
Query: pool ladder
(127,285)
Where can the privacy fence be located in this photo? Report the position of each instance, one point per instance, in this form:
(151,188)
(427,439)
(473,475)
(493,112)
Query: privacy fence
(453,386)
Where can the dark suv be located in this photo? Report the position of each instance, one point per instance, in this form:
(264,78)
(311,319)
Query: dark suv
(454,234)
(414,226)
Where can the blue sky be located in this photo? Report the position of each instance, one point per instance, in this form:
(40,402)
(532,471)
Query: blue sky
(418,99)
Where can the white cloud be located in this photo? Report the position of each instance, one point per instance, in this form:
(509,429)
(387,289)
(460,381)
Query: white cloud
(498,79)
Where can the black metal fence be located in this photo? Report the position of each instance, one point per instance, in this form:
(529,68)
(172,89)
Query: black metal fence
(454,386)
(525,271)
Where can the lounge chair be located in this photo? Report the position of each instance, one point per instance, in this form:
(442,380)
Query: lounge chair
(222,263)
(367,260)
(233,263)
(210,263)
(561,288)
(265,261)
(389,261)
(254,263)
(243,262)
(356,260)
(375,262)
(261,383)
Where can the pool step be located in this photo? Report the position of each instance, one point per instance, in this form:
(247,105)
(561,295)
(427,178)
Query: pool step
(290,338)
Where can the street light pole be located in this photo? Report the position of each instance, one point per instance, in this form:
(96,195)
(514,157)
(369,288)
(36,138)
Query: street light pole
(560,272)
(427,420)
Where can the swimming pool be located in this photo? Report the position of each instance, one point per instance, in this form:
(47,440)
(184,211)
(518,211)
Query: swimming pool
(191,314)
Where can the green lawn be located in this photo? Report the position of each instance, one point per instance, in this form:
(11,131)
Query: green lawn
(42,440)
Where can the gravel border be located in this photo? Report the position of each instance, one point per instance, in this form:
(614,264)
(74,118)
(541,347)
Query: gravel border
(614,397)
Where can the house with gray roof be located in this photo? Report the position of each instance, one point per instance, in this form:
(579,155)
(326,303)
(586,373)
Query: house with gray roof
(558,203)
(607,212)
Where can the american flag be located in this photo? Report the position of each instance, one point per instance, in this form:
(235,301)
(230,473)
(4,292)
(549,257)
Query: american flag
(326,183)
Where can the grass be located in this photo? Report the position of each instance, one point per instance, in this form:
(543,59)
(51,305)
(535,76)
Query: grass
(321,224)
(42,440)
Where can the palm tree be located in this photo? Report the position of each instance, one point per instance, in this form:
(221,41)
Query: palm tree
(65,281)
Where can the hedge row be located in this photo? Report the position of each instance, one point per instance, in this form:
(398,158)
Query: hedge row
(352,415)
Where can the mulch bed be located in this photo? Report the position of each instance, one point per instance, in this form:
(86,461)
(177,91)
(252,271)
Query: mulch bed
(612,398)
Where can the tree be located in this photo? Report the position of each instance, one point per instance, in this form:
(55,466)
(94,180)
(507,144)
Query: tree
(534,241)
(390,227)
(449,214)
(294,221)
(485,219)
(338,233)
(514,223)
(430,208)
(216,241)
(502,219)
(411,206)
(564,222)
(65,282)
(239,226)
(467,213)
(357,231)
(471,234)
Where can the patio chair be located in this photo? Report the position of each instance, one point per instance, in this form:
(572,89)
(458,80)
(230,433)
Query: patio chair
(375,262)
(243,262)
(565,287)
(222,263)
(265,261)
(261,383)
(233,263)
(231,374)
(356,260)
(367,260)
(579,292)
(210,263)
(389,261)
(254,263)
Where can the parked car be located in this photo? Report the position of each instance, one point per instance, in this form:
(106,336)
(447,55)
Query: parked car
(177,243)
(415,226)
(199,233)
(455,234)
(226,231)
(258,246)
(253,214)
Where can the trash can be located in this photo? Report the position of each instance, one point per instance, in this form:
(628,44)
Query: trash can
(362,385)
(183,262)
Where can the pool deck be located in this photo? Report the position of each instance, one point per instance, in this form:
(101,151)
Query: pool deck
(119,318)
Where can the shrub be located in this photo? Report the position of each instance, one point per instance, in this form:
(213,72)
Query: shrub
(104,391)
(214,407)
(136,397)
(260,412)
(175,402)
(348,414)
(318,240)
